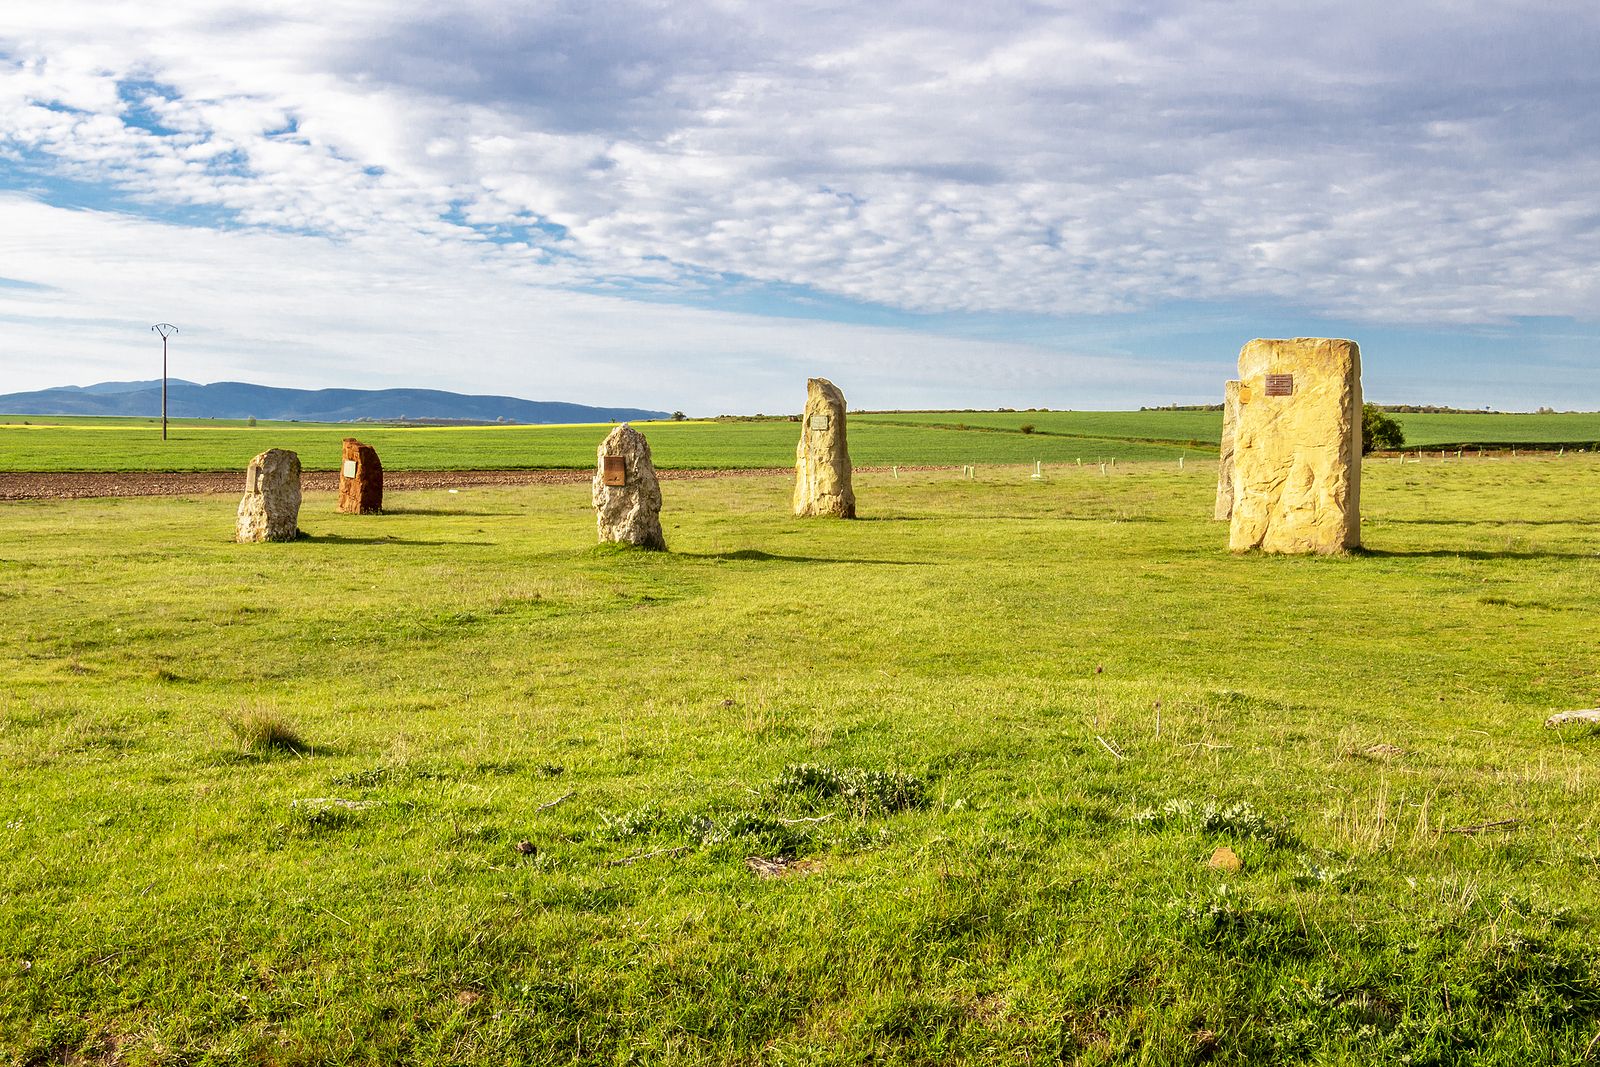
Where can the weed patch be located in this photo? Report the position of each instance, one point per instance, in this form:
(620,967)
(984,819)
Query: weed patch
(860,792)
(262,730)
(1233,820)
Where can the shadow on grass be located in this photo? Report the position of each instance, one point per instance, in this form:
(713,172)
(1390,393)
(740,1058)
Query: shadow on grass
(447,512)
(1491,522)
(755,555)
(1467,553)
(341,539)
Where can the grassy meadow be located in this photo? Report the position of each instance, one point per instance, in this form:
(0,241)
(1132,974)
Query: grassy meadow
(59,443)
(453,785)
(62,444)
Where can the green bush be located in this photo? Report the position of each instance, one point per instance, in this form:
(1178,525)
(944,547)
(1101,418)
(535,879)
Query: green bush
(1379,431)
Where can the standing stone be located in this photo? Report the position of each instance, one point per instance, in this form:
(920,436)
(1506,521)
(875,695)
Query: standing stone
(627,497)
(822,459)
(270,510)
(1230,416)
(360,480)
(1297,447)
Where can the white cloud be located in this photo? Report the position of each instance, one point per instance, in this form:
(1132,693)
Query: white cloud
(408,311)
(1432,164)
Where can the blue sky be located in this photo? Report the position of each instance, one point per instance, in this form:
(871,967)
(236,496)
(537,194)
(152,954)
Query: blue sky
(697,205)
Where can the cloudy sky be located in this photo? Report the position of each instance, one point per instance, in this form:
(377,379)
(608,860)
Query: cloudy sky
(695,205)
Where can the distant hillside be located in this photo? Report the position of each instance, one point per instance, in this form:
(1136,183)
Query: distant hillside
(241,400)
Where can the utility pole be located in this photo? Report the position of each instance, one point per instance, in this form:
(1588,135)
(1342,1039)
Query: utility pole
(166,330)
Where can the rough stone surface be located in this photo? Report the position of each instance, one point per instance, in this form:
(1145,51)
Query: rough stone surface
(1225,859)
(1230,416)
(822,458)
(629,513)
(270,510)
(1297,458)
(361,494)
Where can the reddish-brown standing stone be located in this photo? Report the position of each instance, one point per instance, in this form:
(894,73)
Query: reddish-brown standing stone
(360,479)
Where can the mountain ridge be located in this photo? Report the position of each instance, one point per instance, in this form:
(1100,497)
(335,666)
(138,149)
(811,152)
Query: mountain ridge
(244,400)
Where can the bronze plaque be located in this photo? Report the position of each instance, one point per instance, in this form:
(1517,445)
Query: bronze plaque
(349,468)
(613,471)
(1280,385)
(819,422)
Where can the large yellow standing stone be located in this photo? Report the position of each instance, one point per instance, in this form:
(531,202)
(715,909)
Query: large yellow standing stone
(1230,417)
(822,458)
(1297,447)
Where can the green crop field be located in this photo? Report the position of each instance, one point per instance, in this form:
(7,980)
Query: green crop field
(1421,429)
(940,785)
(61,443)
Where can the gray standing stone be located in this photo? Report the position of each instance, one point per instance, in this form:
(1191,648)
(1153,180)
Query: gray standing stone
(270,510)
(822,458)
(1230,416)
(627,497)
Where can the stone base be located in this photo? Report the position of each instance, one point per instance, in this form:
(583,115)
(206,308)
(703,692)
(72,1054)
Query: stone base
(822,458)
(270,510)
(360,479)
(626,494)
(1297,447)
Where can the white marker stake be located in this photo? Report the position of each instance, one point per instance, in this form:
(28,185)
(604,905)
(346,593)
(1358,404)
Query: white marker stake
(1180,463)
(897,474)
(1102,470)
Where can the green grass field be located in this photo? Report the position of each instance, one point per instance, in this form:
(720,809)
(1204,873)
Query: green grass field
(1421,429)
(262,802)
(45,443)
(63,445)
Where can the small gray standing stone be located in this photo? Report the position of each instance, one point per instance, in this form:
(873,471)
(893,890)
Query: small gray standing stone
(270,510)
(627,497)
(822,458)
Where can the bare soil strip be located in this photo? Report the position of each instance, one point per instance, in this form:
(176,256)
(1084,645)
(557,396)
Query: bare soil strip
(68,485)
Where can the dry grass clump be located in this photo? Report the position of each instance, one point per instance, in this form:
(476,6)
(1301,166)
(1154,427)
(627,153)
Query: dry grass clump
(259,728)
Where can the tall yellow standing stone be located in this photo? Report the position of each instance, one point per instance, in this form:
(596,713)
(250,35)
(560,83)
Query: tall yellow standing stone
(822,458)
(1230,419)
(1297,447)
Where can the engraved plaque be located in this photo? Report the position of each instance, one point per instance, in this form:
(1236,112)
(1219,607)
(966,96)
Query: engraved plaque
(349,468)
(613,471)
(819,422)
(1280,385)
(1244,394)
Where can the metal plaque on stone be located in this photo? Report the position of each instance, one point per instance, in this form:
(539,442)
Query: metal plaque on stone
(819,422)
(349,468)
(613,471)
(1280,385)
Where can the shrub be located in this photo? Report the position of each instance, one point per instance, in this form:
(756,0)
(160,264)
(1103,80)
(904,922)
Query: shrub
(1026,427)
(261,729)
(1379,430)
(863,792)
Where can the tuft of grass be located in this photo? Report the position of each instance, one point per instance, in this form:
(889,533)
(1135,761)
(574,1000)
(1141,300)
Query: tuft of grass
(864,793)
(1231,820)
(263,730)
